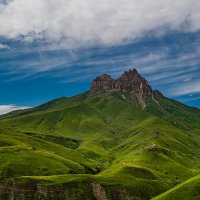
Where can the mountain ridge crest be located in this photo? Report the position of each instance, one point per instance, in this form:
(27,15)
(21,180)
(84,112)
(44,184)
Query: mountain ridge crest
(130,81)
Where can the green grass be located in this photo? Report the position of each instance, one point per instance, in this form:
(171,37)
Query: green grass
(103,138)
(189,189)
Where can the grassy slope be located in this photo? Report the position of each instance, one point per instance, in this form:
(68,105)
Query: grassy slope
(104,138)
(189,189)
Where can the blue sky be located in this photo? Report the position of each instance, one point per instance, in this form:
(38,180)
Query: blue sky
(47,52)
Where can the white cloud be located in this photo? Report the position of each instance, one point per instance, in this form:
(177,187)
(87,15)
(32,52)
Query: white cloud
(3,46)
(87,22)
(8,108)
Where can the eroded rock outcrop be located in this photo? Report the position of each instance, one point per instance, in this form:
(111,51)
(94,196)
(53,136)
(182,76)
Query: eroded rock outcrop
(104,82)
(69,191)
(131,82)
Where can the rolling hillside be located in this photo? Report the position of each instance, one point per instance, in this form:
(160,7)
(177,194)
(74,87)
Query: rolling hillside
(187,190)
(120,140)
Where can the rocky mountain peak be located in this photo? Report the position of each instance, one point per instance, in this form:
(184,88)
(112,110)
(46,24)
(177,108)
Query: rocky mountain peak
(103,82)
(130,81)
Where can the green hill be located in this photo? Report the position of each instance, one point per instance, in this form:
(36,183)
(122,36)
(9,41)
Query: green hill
(187,190)
(103,144)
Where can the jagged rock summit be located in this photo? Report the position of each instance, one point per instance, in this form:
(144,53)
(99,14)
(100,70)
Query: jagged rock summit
(130,81)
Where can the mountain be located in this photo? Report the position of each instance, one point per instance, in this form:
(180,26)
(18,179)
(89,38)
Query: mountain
(120,140)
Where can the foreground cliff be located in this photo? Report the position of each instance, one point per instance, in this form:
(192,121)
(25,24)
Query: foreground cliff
(121,140)
(71,191)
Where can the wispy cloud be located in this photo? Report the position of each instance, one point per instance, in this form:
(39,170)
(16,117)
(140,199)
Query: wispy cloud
(186,88)
(159,67)
(4,46)
(8,108)
(189,98)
